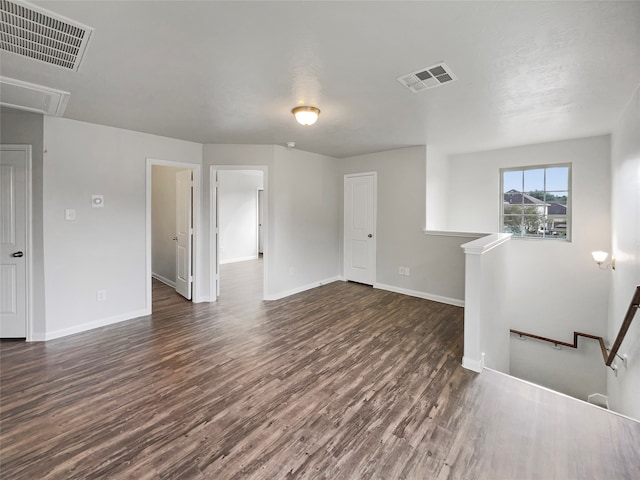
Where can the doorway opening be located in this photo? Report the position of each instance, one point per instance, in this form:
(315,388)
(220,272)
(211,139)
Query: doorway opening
(172,214)
(239,226)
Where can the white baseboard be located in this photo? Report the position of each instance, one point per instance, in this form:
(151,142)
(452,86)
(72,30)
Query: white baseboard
(414,293)
(83,327)
(472,364)
(37,337)
(202,299)
(164,280)
(303,288)
(239,259)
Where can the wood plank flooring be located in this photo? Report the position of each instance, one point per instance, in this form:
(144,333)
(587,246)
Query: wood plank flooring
(340,382)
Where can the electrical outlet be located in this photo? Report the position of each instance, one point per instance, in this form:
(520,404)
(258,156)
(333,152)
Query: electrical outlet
(407,271)
(69,214)
(101,295)
(401,270)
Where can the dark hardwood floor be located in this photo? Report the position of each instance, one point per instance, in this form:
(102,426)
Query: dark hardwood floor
(340,382)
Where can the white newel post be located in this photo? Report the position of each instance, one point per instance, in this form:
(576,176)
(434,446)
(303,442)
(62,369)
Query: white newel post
(473,358)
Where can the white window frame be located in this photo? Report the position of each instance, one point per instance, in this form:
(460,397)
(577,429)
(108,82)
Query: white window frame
(569,191)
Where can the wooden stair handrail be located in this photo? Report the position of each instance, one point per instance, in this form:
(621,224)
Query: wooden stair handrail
(608,357)
(626,323)
(603,348)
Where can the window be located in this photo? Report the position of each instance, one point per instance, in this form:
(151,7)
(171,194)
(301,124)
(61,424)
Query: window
(536,201)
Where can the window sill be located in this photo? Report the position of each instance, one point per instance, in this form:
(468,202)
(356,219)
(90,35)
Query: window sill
(448,233)
(546,239)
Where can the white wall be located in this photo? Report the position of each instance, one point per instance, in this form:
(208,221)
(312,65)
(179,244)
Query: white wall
(555,287)
(303,208)
(624,391)
(238,214)
(26,128)
(437,189)
(104,248)
(307,219)
(163,223)
(436,262)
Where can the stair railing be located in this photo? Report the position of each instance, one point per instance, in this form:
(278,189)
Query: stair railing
(607,355)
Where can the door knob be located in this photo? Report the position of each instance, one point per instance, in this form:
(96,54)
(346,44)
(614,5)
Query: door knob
(370,235)
(17,254)
(175,238)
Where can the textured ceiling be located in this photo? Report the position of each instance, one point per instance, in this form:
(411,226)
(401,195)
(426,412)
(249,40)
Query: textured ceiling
(230,72)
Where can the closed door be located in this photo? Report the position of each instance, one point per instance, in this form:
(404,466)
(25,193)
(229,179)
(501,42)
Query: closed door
(13,241)
(359,228)
(260,216)
(184,233)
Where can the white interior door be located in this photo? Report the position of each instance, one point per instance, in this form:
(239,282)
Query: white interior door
(184,233)
(13,241)
(260,219)
(216,209)
(359,228)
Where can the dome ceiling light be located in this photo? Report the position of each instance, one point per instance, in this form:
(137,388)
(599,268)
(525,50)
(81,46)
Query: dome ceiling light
(306,115)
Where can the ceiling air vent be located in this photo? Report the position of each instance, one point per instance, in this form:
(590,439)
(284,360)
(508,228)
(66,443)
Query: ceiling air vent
(31,97)
(37,33)
(429,77)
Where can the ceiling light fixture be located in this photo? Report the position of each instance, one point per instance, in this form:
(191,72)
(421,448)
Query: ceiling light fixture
(306,115)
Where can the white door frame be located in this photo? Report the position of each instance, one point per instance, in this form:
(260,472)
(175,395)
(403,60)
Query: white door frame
(29,237)
(213,208)
(375,224)
(196,169)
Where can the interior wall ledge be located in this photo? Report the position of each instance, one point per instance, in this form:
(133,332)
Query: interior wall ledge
(484,244)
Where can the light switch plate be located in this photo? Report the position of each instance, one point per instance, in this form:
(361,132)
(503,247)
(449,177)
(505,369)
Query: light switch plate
(69,214)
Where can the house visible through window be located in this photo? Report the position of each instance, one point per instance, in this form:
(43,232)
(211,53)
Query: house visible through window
(536,201)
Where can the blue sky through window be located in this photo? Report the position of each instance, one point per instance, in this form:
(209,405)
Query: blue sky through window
(557,179)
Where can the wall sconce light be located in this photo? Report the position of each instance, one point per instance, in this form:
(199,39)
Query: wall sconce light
(306,115)
(599,257)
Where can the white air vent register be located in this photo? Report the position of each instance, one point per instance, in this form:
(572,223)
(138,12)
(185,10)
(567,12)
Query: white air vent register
(429,77)
(37,33)
(31,97)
